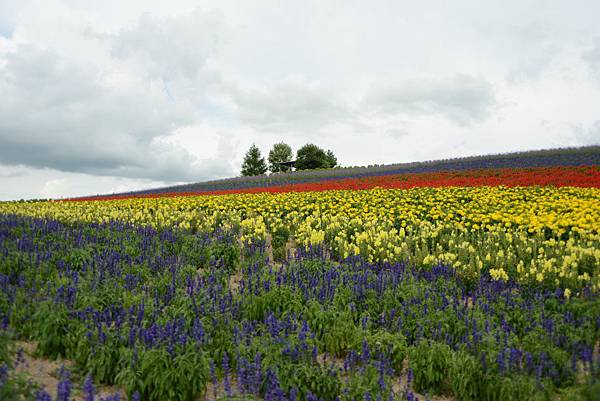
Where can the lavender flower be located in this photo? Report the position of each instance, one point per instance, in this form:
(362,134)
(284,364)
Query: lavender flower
(63,390)
(226,382)
(88,388)
(213,376)
(42,395)
(365,354)
(3,374)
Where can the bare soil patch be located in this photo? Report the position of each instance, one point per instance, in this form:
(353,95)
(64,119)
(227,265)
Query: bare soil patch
(46,372)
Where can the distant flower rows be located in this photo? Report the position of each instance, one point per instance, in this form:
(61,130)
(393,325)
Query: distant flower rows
(588,156)
(555,176)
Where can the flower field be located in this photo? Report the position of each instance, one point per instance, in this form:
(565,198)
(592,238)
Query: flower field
(555,176)
(479,284)
(545,167)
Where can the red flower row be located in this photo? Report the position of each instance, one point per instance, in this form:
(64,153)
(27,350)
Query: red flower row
(555,176)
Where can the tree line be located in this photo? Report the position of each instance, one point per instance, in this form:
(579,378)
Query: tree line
(308,157)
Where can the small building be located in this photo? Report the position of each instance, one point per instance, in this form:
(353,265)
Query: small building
(291,164)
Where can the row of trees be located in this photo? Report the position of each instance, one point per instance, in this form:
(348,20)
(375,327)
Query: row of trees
(308,157)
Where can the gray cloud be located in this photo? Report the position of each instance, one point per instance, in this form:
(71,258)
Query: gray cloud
(8,172)
(462,99)
(171,48)
(290,104)
(72,116)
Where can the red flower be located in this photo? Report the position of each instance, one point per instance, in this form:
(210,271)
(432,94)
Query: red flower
(510,177)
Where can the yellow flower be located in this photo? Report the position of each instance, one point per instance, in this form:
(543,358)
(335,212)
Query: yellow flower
(536,233)
(498,274)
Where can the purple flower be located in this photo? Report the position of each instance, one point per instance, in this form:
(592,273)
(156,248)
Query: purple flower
(3,374)
(213,377)
(42,395)
(501,360)
(365,355)
(293,394)
(409,377)
(528,361)
(226,382)
(257,374)
(88,388)
(63,390)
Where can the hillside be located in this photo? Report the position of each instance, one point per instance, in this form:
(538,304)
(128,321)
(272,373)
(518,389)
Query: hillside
(572,157)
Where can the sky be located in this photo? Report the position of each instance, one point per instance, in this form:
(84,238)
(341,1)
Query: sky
(110,96)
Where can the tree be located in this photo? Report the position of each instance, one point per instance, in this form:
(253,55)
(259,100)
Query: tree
(311,156)
(254,163)
(281,152)
(331,159)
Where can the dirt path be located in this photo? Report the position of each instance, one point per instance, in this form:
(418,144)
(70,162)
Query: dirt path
(46,373)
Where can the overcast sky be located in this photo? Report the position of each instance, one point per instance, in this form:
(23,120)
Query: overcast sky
(107,96)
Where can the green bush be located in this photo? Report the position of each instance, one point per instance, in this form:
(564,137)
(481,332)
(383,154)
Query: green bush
(430,362)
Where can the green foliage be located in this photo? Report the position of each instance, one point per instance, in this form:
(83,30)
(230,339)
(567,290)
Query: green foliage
(430,362)
(161,376)
(78,257)
(278,301)
(466,376)
(104,362)
(226,255)
(13,386)
(51,325)
(254,163)
(366,380)
(395,310)
(591,392)
(279,240)
(311,156)
(393,345)
(281,152)
(341,334)
(331,159)
(513,388)
(307,378)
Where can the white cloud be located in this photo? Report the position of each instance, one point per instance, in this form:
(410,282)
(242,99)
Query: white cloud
(54,188)
(588,135)
(462,99)
(172,49)
(163,92)
(592,57)
(26,182)
(71,115)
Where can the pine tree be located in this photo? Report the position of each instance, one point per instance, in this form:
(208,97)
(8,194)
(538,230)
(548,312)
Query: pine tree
(331,159)
(281,152)
(254,163)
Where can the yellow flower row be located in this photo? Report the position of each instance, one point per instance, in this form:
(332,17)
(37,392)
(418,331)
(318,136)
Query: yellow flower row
(531,234)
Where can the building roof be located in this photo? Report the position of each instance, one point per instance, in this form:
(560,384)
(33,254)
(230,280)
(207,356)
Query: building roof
(291,163)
